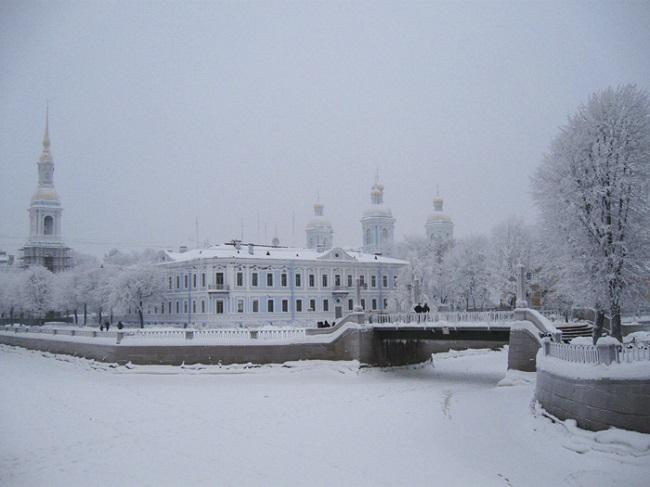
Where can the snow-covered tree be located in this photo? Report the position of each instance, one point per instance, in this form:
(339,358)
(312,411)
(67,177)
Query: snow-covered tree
(471,274)
(427,278)
(10,293)
(79,259)
(593,191)
(511,244)
(134,286)
(36,289)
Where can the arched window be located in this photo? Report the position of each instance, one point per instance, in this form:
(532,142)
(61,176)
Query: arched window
(48,225)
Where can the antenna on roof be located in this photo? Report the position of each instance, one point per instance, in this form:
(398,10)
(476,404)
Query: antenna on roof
(258,225)
(196,225)
(242,229)
(293,228)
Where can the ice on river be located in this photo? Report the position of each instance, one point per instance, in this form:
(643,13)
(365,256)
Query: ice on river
(67,421)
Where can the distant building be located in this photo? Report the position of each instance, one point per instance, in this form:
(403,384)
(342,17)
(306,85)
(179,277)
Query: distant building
(377,224)
(236,284)
(45,245)
(439,226)
(320,235)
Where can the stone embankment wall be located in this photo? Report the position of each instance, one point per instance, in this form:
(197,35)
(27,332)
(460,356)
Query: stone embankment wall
(346,342)
(596,404)
(345,347)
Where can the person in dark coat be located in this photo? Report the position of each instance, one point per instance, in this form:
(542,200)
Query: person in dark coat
(119,325)
(326,324)
(101,327)
(418,308)
(107,325)
(425,308)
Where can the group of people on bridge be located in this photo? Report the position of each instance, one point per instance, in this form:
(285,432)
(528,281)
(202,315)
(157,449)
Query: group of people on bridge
(325,324)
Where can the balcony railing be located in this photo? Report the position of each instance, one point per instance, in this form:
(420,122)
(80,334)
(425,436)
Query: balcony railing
(218,288)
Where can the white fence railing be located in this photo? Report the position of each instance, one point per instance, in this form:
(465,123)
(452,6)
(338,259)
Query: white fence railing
(598,354)
(584,354)
(214,334)
(281,333)
(443,316)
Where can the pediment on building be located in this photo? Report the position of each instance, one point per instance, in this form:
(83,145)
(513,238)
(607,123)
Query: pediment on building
(337,253)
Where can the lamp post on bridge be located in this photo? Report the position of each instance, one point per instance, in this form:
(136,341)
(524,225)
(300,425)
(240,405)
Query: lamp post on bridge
(521,287)
(189,304)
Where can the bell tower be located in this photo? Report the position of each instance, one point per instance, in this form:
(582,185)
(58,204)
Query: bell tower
(377,224)
(45,245)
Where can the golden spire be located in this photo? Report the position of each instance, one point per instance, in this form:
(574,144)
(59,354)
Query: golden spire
(46,136)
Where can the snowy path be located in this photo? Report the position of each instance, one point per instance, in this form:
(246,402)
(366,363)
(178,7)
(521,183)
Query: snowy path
(67,421)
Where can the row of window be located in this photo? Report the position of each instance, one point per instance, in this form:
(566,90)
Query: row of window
(255,307)
(284,279)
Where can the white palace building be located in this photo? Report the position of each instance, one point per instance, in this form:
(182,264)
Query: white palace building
(238,284)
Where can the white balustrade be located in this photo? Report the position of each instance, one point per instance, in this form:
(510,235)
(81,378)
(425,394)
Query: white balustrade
(591,354)
(443,316)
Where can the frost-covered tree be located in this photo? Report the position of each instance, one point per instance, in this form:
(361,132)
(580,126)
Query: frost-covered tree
(36,289)
(511,244)
(427,277)
(79,259)
(471,273)
(119,258)
(83,288)
(593,189)
(134,286)
(10,295)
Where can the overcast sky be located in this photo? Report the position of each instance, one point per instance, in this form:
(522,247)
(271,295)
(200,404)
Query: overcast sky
(164,112)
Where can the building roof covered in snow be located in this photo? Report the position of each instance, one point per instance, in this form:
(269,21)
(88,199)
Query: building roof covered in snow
(235,250)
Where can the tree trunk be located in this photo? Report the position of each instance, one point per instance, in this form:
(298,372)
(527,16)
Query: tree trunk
(76,317)
(85,314)
(99,314)
(11,314)
(598,325)
(141,315)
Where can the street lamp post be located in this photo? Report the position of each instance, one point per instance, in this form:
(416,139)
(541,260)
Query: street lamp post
(189,304)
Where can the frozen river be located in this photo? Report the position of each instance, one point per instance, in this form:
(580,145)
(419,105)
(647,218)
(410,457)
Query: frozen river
(66,421)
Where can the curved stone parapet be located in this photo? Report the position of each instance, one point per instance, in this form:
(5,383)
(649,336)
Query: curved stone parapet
(543,324)
(595,403)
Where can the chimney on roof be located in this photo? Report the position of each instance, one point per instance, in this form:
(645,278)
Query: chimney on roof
(251,249)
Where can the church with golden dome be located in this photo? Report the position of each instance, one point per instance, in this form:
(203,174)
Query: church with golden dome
(45,245)
(439,226)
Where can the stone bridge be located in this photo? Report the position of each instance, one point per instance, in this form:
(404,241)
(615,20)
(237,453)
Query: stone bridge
(374,340)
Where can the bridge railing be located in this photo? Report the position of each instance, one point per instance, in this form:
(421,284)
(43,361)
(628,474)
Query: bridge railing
(214,334)
(443,316)
(607,353)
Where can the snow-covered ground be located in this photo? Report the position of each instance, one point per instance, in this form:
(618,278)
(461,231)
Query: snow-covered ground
(67,421)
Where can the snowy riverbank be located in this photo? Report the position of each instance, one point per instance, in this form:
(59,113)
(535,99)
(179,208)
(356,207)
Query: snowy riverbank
(68,421)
